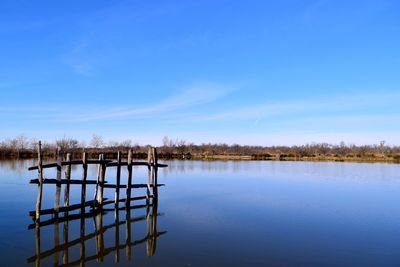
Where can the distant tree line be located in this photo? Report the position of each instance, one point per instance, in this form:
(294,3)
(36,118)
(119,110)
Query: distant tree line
(24,147)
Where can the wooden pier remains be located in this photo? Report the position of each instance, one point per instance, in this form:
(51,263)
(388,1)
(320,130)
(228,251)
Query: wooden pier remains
(95,208)
(98,201)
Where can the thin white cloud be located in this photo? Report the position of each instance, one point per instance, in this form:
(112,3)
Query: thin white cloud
(319,105)
(76,60)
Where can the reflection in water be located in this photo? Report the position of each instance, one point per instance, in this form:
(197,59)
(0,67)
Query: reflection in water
(97,236)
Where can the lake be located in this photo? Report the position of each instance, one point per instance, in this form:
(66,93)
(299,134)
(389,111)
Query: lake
(219,213)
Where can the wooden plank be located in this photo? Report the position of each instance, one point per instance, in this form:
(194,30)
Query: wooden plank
(109,163)
(63,181)
(132,186)
(44,166)
(125,199)
(75,181)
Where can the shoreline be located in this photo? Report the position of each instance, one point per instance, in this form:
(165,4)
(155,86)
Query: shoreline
(217,157)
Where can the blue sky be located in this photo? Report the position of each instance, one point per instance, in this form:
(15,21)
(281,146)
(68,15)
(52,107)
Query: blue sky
(248,72)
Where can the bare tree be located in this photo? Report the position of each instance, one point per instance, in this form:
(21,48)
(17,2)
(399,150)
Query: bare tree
(96,141)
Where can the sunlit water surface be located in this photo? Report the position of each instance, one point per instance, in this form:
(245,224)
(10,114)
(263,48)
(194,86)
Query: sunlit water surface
(226,213)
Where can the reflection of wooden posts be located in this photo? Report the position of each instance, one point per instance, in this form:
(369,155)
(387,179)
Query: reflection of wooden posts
(65,237)
(68,178)
(82,252)
(116,221)
(58,184)
(56,242)
(99,237)
(129,182)
(37,241)
(40,182)
(151,229)
(118,179)
(154,224)
(84,176)
(128,232)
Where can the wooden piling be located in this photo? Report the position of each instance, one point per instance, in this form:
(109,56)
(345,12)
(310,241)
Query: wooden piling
(129,182)
(84,176)
(149,150)
(67,178)
(118,179)
(58,185)
(155,171)
(101,180)
(40,179)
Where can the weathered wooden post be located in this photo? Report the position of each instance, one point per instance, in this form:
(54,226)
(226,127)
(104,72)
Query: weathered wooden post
(118,179)
(155,172)
(40,180)
(129,182)
(148,175)
(68,179)
(84,176)
(58,182)
(101,180)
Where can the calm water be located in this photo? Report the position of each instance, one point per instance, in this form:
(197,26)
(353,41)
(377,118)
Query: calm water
(226,214)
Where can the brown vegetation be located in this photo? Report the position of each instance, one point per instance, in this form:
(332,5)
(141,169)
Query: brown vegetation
(23,147)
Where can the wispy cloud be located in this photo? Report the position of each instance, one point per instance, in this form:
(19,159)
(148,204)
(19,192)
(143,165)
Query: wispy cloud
(193,96)
(76,60)
(186,98)
(352,102)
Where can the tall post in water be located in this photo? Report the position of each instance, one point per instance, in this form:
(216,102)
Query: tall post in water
(118,179)
(155,172)
(148,175)
(68,178)
(129,183)
(40,180)
(84,176)
(101,180)
(58,184)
